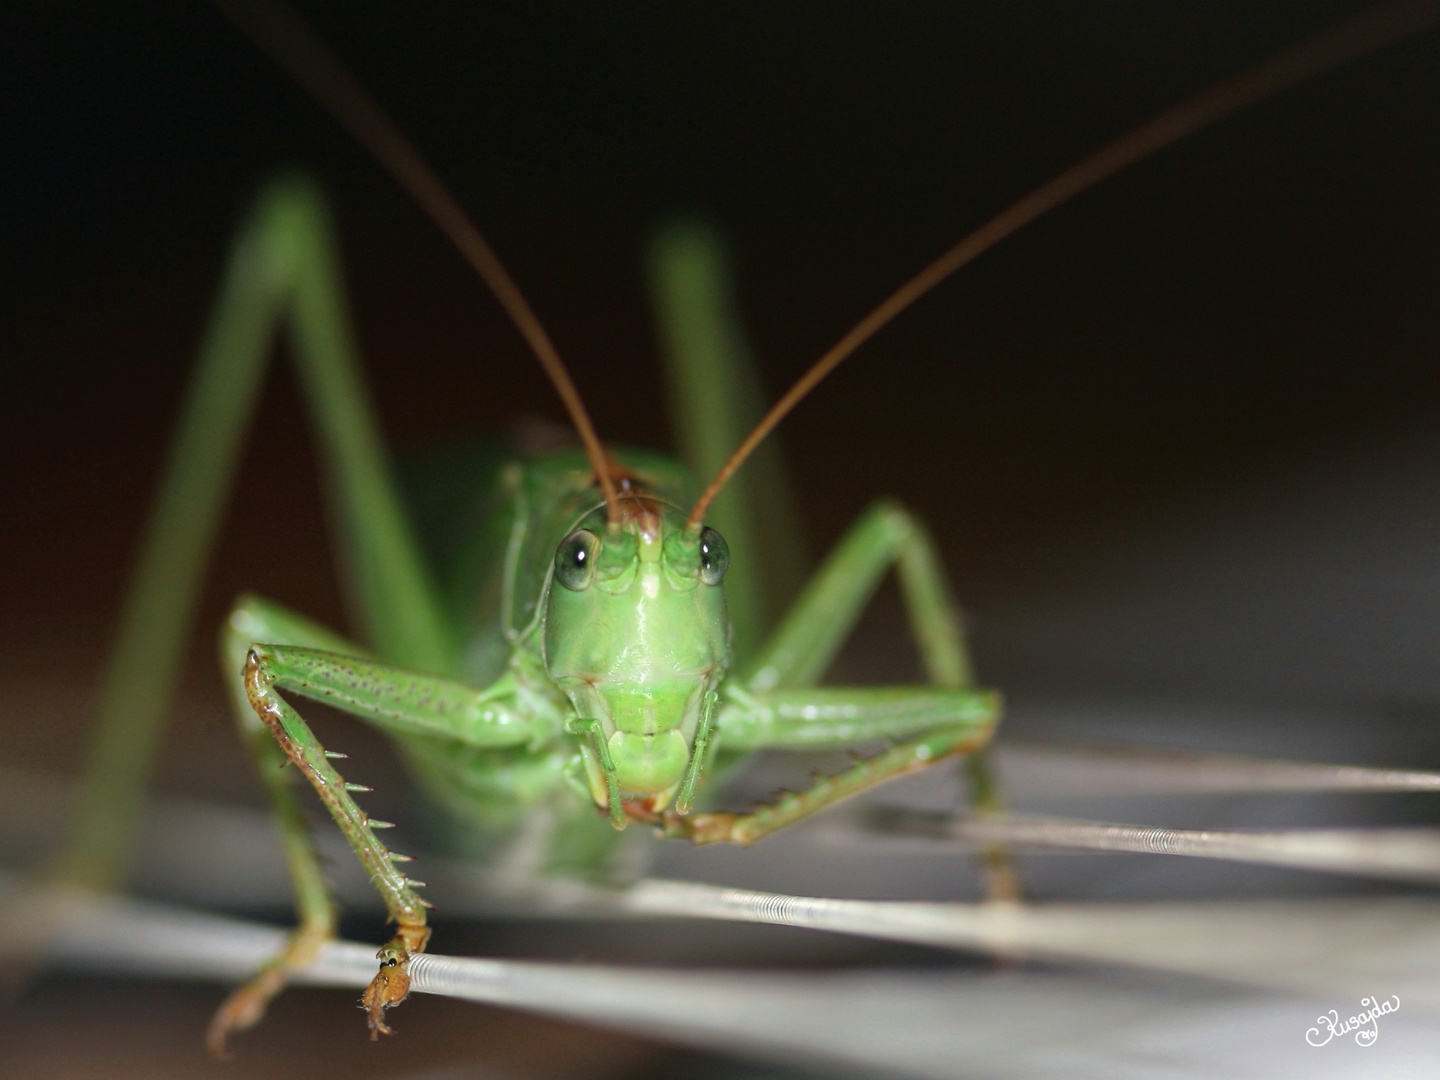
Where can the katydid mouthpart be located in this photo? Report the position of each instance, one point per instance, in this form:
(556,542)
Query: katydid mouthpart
(538,700)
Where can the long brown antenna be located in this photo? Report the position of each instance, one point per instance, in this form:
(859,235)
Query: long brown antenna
(1340,43)
(278,31)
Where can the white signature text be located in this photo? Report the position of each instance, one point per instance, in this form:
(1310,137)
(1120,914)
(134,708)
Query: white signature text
(1363,1023)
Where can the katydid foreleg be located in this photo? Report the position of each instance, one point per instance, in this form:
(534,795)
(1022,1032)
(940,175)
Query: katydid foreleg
(255,619)
(401,703)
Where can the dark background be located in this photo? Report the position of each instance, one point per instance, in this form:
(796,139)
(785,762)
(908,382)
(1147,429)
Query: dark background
(1178,439)
(1260,298)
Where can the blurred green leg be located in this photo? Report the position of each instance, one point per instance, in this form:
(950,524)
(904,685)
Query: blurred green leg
(283,270)
(887,535)
(716,397)
(802,648)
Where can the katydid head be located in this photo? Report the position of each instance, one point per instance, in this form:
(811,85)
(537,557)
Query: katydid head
(637,636)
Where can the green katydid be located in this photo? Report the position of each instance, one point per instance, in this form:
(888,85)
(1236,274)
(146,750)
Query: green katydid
(541,698)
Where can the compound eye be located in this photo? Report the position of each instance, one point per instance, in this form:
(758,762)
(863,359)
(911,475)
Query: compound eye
(714,557)
(575,559)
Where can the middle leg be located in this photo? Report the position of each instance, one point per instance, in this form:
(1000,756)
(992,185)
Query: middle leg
(806,642)
(930,723)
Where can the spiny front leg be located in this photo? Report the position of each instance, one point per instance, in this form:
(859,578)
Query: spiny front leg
(256,619)
(391,984)
(400,703)
(245,1007)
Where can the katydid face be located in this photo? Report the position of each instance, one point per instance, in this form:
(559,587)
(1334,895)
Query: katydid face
(636,634)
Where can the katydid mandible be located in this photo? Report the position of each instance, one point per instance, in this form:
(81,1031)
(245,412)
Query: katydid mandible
(579,662)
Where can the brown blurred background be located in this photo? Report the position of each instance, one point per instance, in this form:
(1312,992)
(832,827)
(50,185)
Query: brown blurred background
(1180,440)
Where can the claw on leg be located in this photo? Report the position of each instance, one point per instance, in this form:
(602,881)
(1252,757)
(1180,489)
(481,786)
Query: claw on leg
(1002,879)
(31,918)
(244,1008)
(391,984)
